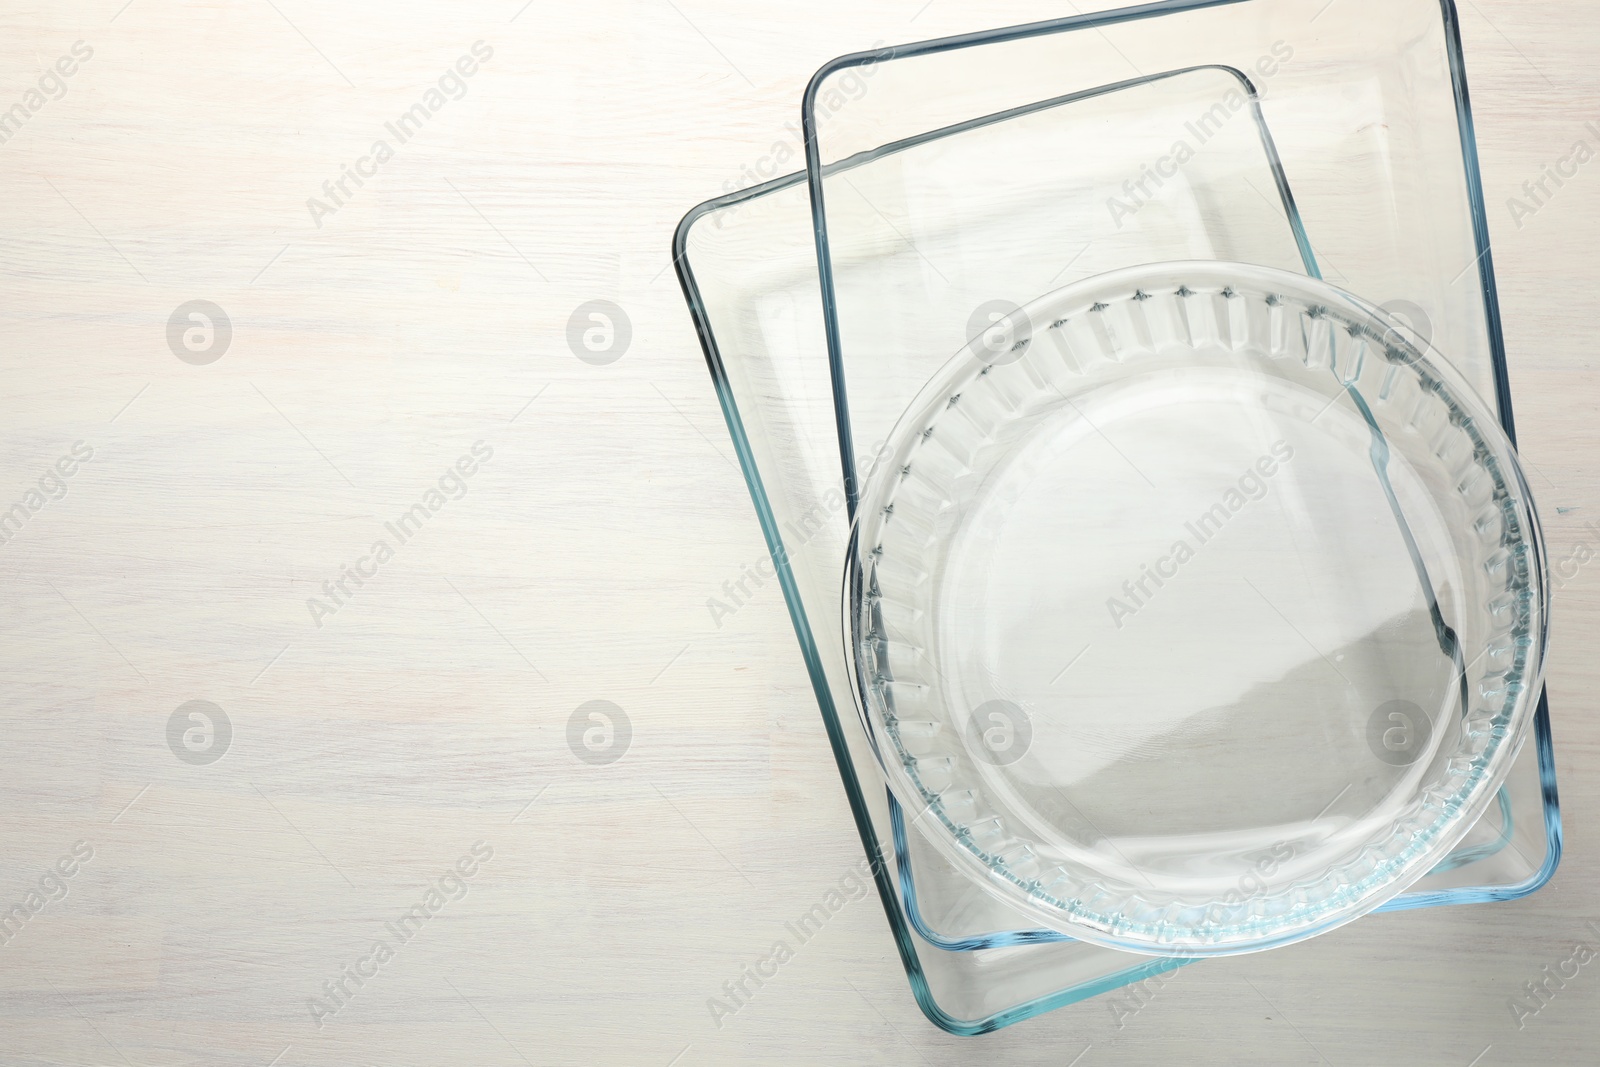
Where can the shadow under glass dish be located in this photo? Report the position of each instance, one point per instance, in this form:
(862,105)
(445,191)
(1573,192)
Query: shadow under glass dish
(1195,610)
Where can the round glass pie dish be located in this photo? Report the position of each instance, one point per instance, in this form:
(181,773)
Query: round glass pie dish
(1195,609)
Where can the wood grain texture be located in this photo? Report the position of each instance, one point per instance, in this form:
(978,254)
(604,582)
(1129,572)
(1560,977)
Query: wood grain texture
(375,745)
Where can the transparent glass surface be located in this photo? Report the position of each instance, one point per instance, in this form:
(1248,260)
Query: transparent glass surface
(1108,140)
(1173,763)
(749,272)
(755,299)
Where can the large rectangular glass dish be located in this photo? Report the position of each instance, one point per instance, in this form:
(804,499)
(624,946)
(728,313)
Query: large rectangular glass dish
(748,272)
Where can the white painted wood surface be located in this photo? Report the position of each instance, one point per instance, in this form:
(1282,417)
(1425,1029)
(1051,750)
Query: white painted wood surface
(424,722)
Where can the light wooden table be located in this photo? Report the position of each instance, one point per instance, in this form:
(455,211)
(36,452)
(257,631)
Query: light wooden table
(408,734)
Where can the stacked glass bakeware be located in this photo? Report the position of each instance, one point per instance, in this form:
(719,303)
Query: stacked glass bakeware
(1124,404)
